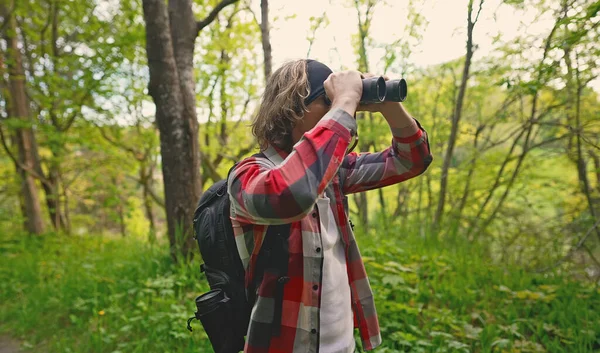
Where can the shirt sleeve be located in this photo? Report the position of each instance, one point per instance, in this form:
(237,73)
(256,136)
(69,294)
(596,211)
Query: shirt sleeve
(261,193)
(407,157)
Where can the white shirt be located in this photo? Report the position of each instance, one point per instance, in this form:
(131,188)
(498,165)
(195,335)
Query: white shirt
(336,317)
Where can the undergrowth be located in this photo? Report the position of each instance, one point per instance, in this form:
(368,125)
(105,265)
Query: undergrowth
(91,294)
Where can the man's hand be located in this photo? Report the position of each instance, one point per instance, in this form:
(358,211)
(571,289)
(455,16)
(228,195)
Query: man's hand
(344,89)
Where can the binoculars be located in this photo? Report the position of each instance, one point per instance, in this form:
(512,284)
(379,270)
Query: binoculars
(377,90)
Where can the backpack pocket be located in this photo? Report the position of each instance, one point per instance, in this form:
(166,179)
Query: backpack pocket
(236,292)
(216,315)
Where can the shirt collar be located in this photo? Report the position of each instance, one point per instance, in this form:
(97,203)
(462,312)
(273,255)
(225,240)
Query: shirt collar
(275,154)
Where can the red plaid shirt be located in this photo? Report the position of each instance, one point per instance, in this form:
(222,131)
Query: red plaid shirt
(283,189)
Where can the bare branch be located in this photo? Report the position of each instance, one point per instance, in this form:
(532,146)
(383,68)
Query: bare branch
(478,12)
(589,251)
(76,113)
(155,197)
(20,165)
(136,154)
(573,249)
(151,191)
(213,14)
(6,148)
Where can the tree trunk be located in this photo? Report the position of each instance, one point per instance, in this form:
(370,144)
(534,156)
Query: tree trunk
(382,204)
(420,224)
(403,196)
(579,159)
(148,208)
(363,66)
(170,39)
(429,212)
(51,190)
(145,181)
(266,38)
(67,216)
(24,136)
(596,160)
(457,114)
(467,190)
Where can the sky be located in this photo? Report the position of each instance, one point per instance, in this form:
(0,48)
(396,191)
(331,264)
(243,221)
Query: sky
(443,37)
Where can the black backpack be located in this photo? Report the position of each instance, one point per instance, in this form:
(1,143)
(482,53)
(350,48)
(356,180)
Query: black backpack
(225,310)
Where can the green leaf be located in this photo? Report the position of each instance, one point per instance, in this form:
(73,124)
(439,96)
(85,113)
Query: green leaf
(458,345)
(501,343)
(393,280)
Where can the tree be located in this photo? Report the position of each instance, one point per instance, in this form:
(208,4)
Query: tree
(170,40)
(364,25)
(18,109)
(230,81)
(458,108)
(265,35)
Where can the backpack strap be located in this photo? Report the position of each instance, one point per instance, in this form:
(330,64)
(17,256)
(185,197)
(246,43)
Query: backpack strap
(280,261)
(274,253)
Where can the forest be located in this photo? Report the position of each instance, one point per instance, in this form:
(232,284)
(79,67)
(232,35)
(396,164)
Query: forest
(116,116)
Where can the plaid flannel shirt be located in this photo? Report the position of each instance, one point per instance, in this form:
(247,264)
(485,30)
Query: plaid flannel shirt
(283,189)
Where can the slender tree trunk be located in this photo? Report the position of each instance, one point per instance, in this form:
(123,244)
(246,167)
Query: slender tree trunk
(24,136)
(170,39)
(429,201)
(35,223)
(363,66)
(122,220)
(52,192)
(145,180)
(67,216)
(581,164)
(382,204)
(596,160)
(458,107)
(51,186)
(21,196)
(148,208)
(266,37)
(403,196)
(467,190)
(420,225)
(579,158)
(23,209)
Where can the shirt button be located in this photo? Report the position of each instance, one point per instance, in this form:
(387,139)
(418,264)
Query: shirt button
(314,214)
(318,249)
(315,287)
(313,331)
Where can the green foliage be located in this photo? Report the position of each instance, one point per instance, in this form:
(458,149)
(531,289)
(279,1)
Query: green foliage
(464,289)
(95,294)
(434,297)
(99,294)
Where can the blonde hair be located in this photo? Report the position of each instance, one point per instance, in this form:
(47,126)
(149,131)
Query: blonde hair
(282,106)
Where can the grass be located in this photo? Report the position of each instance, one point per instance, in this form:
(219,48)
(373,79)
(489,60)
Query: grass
(436,297)
(97,295)
(91,294)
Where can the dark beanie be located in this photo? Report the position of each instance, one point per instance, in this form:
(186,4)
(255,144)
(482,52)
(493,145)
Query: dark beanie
(317,74)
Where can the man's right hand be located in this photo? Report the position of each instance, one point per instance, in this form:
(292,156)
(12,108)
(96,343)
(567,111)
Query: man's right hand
(344,89)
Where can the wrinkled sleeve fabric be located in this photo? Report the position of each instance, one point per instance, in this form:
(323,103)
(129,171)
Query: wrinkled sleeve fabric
(407,157)
(263,193)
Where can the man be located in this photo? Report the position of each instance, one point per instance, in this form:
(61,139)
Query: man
(302,179)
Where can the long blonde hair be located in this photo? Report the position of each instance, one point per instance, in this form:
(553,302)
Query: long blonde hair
(282,106)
